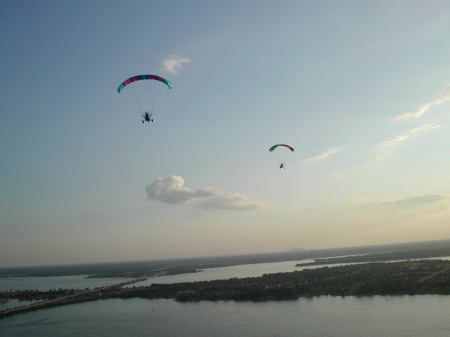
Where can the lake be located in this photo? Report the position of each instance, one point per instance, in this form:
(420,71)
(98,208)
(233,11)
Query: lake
(400,316)
(56,282)
(376,316)
(82,281)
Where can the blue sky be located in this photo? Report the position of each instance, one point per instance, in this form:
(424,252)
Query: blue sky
(360,89)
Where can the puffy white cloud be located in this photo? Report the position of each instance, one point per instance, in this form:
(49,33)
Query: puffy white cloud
(173,191)
(174,63)
(440,98)
(321,156)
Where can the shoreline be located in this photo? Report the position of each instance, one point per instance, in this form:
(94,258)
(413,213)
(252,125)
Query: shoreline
(369,279)
(80,297)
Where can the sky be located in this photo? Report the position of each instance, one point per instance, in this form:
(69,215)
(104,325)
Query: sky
(360,90)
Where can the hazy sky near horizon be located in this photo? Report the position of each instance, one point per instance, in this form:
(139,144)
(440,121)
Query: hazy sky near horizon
(360,89)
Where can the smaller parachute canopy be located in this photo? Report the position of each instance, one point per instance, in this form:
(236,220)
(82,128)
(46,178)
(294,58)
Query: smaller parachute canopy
(143,77)
(285,145)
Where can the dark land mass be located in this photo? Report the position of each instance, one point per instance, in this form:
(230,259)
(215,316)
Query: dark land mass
(139,269)
(396,278)
(368,279)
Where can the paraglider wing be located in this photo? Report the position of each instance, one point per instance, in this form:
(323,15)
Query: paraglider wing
(285,145)
(143,77)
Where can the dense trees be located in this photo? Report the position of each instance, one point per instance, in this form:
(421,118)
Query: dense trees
(413,277)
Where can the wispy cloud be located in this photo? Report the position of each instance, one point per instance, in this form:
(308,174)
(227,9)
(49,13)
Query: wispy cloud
(174,63)
(321,156)
(412,206)
(424,128)
(408,202)
(440,98)
(232,201)
(172,190)
(387,146)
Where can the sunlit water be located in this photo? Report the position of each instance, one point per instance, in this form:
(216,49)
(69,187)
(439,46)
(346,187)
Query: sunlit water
(241,271)
(224,273)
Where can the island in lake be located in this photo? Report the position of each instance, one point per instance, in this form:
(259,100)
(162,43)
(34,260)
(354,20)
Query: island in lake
(366,276)
(384,278)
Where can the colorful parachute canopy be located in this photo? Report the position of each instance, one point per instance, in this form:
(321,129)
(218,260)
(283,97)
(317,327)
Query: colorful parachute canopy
(276,145)
(143,77)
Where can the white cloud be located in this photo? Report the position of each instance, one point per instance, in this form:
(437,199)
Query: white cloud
(440,98)
(321,156)
(424,127)
(172,190)
(234,201)
(174,63)
(387,146)
(443,96)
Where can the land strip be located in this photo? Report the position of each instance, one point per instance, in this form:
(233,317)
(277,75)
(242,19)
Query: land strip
(389,278)
(57,298)
(368,279)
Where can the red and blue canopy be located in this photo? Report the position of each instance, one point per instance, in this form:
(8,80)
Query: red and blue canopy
(285,145)
(143,77)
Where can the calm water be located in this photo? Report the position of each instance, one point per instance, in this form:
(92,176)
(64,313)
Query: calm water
(56,282)
(402,316)
(14,303)
(224,273)
(378,316)
(241,271)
